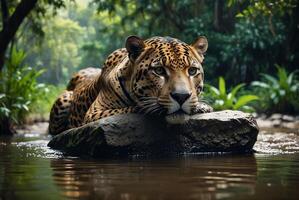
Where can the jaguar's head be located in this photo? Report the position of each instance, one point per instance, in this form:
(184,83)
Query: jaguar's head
(166,75)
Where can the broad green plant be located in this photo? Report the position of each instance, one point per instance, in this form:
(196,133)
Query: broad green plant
(280,92)
(19,89)
(220,99)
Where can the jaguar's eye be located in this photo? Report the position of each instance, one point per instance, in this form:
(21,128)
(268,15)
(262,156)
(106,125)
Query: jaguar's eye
(192,71)
(160,71)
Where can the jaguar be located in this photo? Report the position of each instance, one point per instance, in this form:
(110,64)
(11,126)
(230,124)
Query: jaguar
(158,76)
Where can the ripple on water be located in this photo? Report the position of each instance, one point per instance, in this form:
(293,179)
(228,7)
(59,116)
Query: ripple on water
(38,149)
(277,143)
(268,142)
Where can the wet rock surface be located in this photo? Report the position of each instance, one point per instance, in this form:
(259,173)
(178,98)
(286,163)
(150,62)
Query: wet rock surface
(133,134)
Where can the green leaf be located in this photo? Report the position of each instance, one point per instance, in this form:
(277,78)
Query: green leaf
(243,100)
(271,79)
(232,95)
(236,89)
(283,77)
(260,84)
(295,88)
(25,107)
(213,90)
(222,88)
(273,95)
(247,109)
(228,104)
(290,78)
(282,92)
(4,111)
(240,15)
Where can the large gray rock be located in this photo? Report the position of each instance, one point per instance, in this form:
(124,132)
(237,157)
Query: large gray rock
(133,134)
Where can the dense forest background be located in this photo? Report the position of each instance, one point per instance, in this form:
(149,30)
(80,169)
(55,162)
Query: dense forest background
(56,38)
(79,34)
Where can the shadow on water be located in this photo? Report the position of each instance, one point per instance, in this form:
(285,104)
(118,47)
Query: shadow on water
(30,170)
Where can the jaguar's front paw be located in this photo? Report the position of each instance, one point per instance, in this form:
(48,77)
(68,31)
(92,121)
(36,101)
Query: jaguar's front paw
(203,108)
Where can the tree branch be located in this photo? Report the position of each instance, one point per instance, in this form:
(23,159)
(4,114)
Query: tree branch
(13,23)
(5,14)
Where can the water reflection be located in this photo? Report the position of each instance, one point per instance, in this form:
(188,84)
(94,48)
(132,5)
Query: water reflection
(24,174)
(30,170)
(188,178)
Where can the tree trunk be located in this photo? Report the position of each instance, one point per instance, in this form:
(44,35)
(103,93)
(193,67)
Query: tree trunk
(6,127)
(224,17)
(4,10)
(12,23)
(292,42)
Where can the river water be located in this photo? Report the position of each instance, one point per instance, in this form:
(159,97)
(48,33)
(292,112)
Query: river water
(30,170)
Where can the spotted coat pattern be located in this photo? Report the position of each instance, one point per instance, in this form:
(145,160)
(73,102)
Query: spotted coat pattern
(129,82)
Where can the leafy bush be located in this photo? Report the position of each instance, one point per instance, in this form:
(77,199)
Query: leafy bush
(41,108)
(242,54)
(221,100)
(280,93)
(19,89)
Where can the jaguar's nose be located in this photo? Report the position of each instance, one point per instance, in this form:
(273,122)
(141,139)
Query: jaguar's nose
(180,97)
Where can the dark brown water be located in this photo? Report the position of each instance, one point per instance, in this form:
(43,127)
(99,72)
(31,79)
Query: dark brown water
(30,170)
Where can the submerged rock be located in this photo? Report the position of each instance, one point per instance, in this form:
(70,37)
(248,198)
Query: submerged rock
(134,134)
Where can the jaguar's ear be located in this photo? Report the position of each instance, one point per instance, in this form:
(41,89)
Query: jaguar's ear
(201,44)
(134,46)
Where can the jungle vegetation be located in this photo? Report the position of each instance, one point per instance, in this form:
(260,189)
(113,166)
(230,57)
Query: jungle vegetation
(253,48)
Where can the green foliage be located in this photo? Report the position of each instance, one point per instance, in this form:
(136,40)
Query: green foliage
(241,55)
(245,49)
(281,92)
(221,100)
(240,48)
(42,106)
(33,22)
(19,89)
(264,7)
(59,51)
